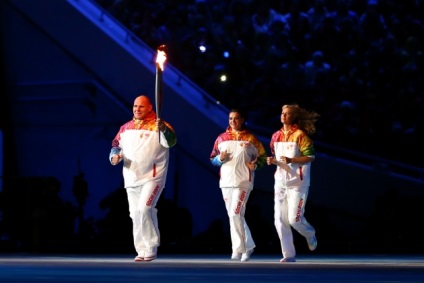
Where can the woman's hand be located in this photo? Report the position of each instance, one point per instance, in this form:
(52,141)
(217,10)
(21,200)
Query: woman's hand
(271,160)
(223,155)
(252,164)
(283,159)
(286,160)
(116,158)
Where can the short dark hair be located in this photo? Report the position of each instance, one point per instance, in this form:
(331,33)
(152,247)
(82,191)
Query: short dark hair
(241,112)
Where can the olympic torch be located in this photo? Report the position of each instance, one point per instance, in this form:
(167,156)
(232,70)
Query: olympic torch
(160,60)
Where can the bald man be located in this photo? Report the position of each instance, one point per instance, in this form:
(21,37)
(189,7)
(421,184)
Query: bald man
(143,145)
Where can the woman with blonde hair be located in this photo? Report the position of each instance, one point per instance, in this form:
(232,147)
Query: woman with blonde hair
(293,152)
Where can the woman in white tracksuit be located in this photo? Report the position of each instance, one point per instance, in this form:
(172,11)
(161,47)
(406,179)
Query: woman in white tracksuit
(293,152)
(238,153)
(143,145)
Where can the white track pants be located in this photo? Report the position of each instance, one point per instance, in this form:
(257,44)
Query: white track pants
(235,202)
(289,207)
(142,201)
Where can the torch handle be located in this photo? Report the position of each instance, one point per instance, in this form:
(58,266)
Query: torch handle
(158,93)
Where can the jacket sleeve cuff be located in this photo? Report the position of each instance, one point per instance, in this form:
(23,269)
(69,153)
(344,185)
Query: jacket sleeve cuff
(217,161)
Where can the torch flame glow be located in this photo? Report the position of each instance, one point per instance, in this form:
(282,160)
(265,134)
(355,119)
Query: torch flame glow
(160,59)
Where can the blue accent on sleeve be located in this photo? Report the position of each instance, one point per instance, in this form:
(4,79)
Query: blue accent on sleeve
(216,161)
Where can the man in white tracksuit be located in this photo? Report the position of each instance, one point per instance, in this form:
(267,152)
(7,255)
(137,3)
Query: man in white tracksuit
(143,145)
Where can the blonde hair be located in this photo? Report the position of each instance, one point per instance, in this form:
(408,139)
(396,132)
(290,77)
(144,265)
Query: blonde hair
(303,118)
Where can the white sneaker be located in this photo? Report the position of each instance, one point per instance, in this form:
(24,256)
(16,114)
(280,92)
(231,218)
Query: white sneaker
(140,256)
(236,256)
(138,259)
(150,254)
(312,243)
(246,256)
(288,259)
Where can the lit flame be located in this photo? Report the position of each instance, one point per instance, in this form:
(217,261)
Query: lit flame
(161,58)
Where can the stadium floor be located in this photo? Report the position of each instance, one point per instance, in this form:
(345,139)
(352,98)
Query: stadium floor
(210,268)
